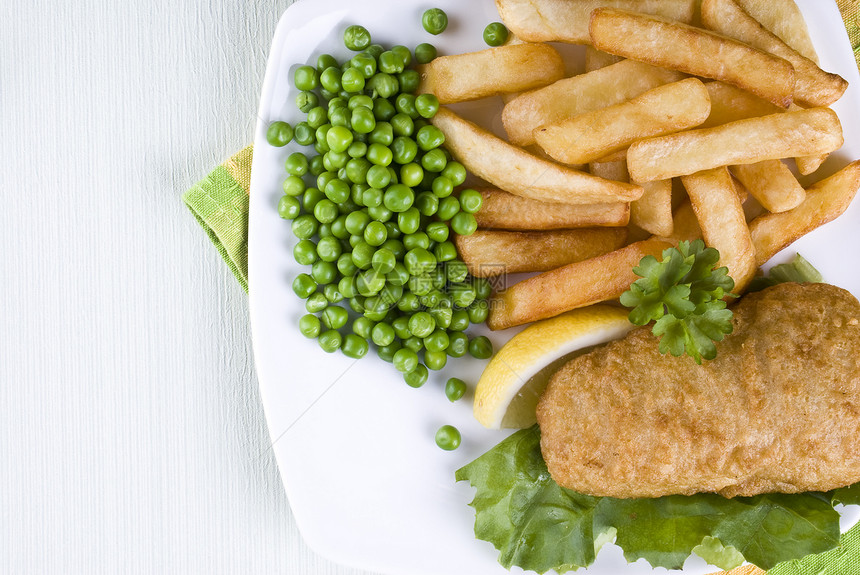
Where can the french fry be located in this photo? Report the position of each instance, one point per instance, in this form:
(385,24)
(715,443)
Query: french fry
(685,225)
(720,214)
(506,211)
(595,59)
(580,94)
(653,211)
(610,170)
(783,18)
(813,86)
(569,287)
(516,171)
(785,135)
(808,164)
(825,201)
(694,51)
(567,20)
(730,104)
(490,253)
(663,110)
(772,184)
(493,71)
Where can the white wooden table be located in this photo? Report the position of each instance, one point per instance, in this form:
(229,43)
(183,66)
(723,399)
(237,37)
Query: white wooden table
(132,434)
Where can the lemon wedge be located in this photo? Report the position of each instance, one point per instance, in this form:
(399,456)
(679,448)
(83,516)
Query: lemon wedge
(507,393)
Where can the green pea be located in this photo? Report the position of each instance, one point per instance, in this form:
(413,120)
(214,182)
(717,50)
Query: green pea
(437,231)
(463,294)
(379,154)
(405,360)
(426,105)
(383,261)
(356,38)
(330,79)
(425,53)
(383,109)
(471,201)
(385,85)
(483,287)
(383,334)
(353,81)
(416,344)
(455,389)
(306,101)
(386,352)
(421,324)
(395,246)
(279,134)
(398,198)
(458,344)
(339,138)
(442,313)
(305,226)
(371,197)
(296,164)
(378,177)
(346,286)
(403,54)
(364,63)
(356,171)
(409,79)
(303,133)
(326,61)
(316,166)
(324,272)
(316,302)
(445,251)
(304,285)
(369,282)
(405,150)
(375,233)
(380,213)
(363,327)
(354,346)
(401,327)
(448,208)
(478,312)
(383,134)
(409,302)
(419,261)
(416,240)
(362,255)
(329,249)
(405,104)
(390,63)
(398,276)
(289,207)
(456,272)
(309,326)
(429,138)
(459,320)
(402,125)
(481,347)
(316,117)
(456,172)
(356,304)
(427,203)
(334,317)
(421,284)
(436,341)
(434,160)
(357,149)
(495,34)
(417,377)
(332,293)
(330,341)
(464,223)
(305,252)
(435,360)
(409,221)
(306,78)
(442,187)
(325,211)
(434,21)
(294,186)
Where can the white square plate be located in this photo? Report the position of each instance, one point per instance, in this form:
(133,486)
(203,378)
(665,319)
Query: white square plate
(368,486)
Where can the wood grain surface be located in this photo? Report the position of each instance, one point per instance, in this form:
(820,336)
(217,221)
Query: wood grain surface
(132,436)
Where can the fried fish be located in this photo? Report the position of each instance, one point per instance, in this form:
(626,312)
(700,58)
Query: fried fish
(778,410)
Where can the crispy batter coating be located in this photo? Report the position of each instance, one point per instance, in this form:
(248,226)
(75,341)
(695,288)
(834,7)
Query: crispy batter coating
(778,410)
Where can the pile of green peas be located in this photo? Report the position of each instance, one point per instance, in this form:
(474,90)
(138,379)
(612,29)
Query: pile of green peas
(374,211)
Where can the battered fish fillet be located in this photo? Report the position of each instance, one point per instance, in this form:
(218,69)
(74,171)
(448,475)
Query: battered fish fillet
(778,410)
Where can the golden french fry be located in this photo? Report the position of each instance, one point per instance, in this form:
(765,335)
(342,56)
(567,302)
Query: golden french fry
(694,51)
(572,286)
(610,170)
(490,253)
(808,164)
(567,20)
(785,135)
(730,104)
(595,59)
(825,201)
(663,110)
(813,86)
(580,94)
(506,211)
(493,71)
(772,184)
(724,226)
(685,225)
(783,18)
(653,211)
(516,171)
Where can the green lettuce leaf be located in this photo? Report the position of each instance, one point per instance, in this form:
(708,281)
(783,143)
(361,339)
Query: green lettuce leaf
(798,270)
(847,495)
(538,525)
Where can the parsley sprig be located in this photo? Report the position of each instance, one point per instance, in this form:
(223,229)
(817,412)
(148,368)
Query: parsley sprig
(684,295)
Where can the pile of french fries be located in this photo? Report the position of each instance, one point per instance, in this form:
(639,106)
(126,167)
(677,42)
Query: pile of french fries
(682,119)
